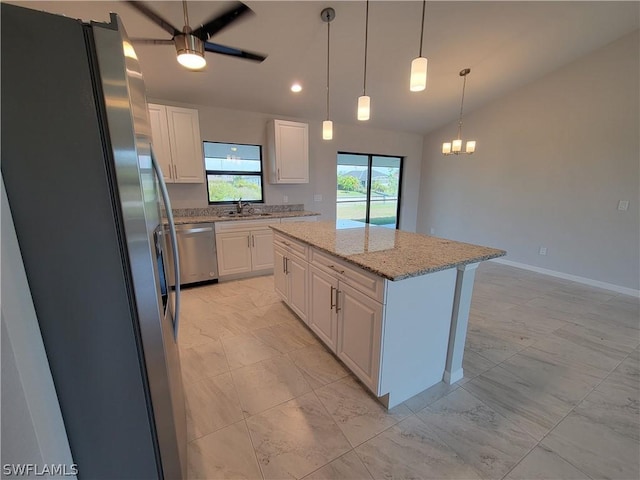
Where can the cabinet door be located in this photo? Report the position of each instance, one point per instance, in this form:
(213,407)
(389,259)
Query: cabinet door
(322,318)
(297,279)
(359,333)
(160,140)
(234,253)
(186,145)
(292,152)
(279,273)
(262,249)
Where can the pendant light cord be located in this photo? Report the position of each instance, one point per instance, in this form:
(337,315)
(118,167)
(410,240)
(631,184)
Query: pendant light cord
(464,84)
(366,42)
(328,53)
(424,6)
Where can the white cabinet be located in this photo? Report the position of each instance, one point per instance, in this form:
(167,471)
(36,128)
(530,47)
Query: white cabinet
(261,249)
(323,319)
(177,144)
(234,253)
(346,313)
(244,246)
(290,274)
(288,151)
(359,333)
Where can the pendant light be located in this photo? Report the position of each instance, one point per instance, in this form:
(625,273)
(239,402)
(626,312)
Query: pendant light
(455,146)
(418,78)
(364,101)
(327,15)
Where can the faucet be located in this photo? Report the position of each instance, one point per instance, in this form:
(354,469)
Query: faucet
(240,206)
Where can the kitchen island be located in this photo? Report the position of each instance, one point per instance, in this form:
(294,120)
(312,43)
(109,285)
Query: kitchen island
(392,305)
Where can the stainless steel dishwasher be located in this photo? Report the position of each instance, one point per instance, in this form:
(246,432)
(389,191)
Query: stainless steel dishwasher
(197,251)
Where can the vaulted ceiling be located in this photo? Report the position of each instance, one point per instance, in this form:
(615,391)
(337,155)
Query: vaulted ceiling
(506,45)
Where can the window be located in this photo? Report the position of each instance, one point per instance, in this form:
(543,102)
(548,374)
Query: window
(368,189)
(234,171)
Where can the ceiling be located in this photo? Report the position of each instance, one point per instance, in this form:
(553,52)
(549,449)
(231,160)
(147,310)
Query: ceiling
(506,45)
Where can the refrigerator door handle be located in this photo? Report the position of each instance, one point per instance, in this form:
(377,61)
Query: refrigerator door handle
(174,240)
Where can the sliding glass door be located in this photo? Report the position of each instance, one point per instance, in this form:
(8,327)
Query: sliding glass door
(368,189)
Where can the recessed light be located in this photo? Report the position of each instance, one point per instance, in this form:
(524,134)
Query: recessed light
(296,87)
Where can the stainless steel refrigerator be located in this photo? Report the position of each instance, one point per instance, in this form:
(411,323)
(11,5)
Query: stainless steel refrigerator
(85,199)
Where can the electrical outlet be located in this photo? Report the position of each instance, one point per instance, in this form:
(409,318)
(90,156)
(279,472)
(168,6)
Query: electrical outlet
(285,199)
(432,231)
(623,205)
(317,197)
(542,251)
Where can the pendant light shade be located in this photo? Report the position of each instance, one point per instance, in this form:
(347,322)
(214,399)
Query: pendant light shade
(364,107)
(327,130)
(418,80)
(454,147)
(327,15)
(364,101)
(418,77)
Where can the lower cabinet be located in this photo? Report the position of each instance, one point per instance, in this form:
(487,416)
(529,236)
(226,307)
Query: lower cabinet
(243,247)
(323,319)
(335,300)
(359,333)
(290,280)
(234,253)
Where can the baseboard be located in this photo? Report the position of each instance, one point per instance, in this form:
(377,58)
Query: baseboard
(574,278)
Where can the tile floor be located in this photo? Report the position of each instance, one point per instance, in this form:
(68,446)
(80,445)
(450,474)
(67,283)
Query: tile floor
(551,390)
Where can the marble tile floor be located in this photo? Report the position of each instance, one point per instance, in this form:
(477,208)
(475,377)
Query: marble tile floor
(551,390)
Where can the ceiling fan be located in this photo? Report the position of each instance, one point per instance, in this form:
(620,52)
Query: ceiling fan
(191,44)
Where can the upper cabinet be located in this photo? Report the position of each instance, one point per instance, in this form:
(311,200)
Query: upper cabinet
(177,143)
(288,151)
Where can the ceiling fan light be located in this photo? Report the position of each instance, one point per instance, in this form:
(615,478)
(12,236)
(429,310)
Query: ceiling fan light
(418,79)
(190,51)
(192,61)
(364,107)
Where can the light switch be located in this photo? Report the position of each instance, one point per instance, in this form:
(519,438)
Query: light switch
(317,197)
(623,205)
(285,199)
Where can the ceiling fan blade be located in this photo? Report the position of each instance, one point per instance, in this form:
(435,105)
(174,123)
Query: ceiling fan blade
(154,17)
(234,52)
(213,26)
(152,41)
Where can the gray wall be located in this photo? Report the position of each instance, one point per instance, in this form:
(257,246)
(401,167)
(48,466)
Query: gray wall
(223,125)
(552,161)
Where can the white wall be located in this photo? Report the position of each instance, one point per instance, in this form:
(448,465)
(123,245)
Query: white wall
(553,159)
(223,125)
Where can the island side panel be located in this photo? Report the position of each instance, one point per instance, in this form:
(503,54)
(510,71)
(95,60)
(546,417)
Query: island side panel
(415,336)
(459,322)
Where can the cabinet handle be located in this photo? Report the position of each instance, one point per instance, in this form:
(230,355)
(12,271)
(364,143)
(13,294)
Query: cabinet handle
(248,241)
(337,296)
(175,172)
(278,174)
(284,266)
(332,304)
(253,241)
(341,272)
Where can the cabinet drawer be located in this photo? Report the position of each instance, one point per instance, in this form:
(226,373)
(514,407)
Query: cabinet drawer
(291,246)
(245,225)
(366,282)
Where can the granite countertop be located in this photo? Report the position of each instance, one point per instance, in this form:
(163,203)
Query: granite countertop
(181,220)
(392,254)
